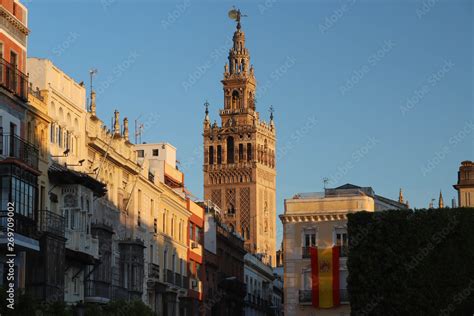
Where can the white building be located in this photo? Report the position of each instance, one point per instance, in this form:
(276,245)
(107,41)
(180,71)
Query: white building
(259,280)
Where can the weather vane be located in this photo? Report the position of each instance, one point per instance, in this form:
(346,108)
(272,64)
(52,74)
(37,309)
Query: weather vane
(235,14)
(206,104)
(272,110)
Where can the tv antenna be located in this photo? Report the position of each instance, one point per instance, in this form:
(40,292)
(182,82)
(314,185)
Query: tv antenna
(325,182)
(235,14)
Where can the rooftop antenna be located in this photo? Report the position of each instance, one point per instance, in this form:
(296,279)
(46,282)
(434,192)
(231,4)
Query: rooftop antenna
(325,182)
(235,14)
(92,73)
(138,131)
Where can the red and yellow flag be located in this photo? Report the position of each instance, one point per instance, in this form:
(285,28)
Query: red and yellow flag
(325,277)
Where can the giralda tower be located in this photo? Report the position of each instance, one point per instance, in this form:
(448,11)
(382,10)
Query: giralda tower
(239,156)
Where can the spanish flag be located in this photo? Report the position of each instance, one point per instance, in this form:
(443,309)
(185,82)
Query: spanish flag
(325,277)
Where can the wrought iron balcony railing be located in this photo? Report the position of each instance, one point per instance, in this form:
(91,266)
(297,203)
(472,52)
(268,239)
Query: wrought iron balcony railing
(49,222)
(169,276)
(97,289)
(153,271)
(12,79)
(13,146)
(177,280)
(305,296)
(21,224)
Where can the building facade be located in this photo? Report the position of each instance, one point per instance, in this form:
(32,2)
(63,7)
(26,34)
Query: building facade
(239,157)
(315,244)
(224,288)
(259,278)
(465,184)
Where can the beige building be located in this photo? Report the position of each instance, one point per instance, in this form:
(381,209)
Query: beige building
(465,185)
(320,220)
(239,157)
(126,213)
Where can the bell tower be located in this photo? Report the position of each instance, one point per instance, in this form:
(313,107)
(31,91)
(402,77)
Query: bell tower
(239,155)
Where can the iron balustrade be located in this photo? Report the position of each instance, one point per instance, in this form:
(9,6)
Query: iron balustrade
(177,279)
(305,296)
(13,146)
(97,289)
(14,80)
(153,271)
(50,222)
(169,276)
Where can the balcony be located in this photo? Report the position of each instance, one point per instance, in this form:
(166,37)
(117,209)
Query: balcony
(153,272)
(12,146)
(23,225)
(82,242)
(12,79)
(305,296)
(169,276)
(50,222)
(177,280)
(97,291)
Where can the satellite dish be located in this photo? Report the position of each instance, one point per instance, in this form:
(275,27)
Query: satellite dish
(234,14)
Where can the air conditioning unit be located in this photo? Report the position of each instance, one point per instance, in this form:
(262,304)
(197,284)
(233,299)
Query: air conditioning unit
(194,245)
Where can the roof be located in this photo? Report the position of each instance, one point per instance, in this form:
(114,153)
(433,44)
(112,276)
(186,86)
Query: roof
(63,175)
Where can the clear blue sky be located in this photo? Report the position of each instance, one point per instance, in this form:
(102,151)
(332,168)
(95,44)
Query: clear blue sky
(375,93)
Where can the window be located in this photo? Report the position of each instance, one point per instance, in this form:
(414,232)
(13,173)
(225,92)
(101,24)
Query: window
(230,149)
(309,240)
(219,154)
(342,241)
(191,231)
(141,153)
(241,152)
(59,137)
(52,133)
(211,155)
(155,152)
(249,152)
(155,225)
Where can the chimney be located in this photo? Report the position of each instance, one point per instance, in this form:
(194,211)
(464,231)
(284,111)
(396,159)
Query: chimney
(125,128)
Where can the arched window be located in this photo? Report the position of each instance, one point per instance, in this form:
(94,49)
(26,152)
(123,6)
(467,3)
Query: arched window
(211,155)
(219,154)
(249,152)
(241,152)
(235,99)
(230,149)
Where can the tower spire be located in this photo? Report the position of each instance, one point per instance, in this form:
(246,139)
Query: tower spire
(440,201)
(206,118)
(400,197)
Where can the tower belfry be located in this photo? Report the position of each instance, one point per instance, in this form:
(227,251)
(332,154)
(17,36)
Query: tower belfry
(239,155)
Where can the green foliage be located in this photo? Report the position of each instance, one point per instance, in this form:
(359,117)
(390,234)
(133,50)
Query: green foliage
(406,262)
(27,306)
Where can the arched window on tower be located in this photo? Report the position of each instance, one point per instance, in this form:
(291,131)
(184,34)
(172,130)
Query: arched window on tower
(230,149)
(241,152)
(235,99)
(219,154)
(249,152)
(211,155)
